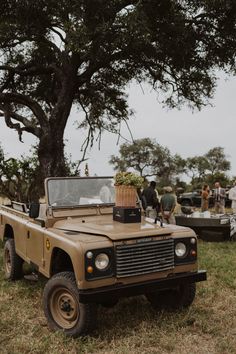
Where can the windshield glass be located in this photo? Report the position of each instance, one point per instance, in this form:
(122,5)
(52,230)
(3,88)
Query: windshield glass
(63,192)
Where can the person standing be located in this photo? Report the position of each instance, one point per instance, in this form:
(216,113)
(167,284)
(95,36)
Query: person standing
(232,196)
(105,193)
(168,203)
(205,198)
(150,200)
(219,199)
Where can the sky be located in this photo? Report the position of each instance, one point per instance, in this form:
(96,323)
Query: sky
(182,131)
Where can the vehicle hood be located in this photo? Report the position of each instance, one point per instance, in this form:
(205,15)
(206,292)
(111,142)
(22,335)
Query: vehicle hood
(187,194)
(114,230)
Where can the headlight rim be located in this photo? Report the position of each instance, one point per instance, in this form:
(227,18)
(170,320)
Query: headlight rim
(108,262)
(183,255)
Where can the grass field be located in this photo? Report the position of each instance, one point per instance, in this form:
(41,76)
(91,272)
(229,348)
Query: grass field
(209,326)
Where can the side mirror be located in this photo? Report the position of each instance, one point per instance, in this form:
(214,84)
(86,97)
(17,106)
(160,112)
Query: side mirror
(34,210)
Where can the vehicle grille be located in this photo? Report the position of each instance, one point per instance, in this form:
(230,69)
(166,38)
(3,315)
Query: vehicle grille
(143,258)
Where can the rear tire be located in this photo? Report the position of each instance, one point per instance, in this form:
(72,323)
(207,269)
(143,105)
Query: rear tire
(173,299)
(12,262)
(62,307)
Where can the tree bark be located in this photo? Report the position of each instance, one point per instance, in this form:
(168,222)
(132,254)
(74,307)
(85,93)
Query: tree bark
(51,154)
(51,162)
(51,140)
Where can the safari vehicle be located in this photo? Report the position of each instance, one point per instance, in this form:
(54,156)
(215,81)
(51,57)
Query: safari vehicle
(194,199)
(209,227)
(90,259)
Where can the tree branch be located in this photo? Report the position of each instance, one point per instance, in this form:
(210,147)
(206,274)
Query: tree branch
(7,114)
(8,98)
(27,70)
(59,34)
(28,125)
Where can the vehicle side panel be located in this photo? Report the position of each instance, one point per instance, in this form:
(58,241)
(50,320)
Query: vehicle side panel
(15,221)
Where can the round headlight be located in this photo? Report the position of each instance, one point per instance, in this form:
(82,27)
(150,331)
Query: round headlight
(102,261)
(180,249)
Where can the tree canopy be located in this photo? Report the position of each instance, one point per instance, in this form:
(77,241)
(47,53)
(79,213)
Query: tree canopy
(217,160)
(149,159)
(56,54)
(209,167)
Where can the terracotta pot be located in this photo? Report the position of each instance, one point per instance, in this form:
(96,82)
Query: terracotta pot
(126,196)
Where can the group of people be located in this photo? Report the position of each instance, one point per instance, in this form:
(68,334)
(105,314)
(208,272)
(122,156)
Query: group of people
(166,205)
(154,207)
(219,196)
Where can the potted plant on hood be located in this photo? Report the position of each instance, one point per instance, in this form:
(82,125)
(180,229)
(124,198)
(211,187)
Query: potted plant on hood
(126,185)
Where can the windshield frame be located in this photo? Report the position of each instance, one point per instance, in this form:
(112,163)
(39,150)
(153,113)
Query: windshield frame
(51,202)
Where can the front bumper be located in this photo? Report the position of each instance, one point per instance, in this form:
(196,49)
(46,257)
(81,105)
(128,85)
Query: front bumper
(125,290)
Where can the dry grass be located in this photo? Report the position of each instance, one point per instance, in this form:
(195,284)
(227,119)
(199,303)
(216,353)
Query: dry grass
(132,327)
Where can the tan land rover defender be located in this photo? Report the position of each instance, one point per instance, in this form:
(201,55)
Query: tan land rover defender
(90,259)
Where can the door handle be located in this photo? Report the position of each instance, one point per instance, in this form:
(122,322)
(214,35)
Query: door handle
(28,234)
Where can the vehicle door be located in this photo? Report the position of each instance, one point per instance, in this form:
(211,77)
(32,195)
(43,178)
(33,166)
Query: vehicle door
(34,244)
(20,236)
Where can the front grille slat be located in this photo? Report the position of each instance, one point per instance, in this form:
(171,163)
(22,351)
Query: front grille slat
(143,258)
(145,271)
(148,258)
(141,254)
(146,266)
(140,247)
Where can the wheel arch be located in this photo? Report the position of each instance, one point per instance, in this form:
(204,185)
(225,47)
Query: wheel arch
(60,261)
(8,232)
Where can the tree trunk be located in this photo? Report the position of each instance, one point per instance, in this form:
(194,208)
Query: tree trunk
(51,155)
(51,163)
(51,140)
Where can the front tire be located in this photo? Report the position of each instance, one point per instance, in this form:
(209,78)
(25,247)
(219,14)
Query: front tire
(174,299)
(62,307)
(12,262)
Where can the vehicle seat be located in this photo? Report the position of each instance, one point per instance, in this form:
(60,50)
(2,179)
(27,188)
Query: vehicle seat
(42,211)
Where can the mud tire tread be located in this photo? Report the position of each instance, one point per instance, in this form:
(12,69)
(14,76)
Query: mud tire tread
(87,319)
(16,271)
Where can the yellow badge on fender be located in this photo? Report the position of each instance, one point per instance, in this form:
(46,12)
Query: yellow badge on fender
(48,245)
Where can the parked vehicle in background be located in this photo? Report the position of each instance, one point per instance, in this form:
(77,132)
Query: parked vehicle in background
(194,199)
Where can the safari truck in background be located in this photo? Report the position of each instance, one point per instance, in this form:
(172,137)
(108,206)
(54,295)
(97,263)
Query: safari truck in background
(91,259)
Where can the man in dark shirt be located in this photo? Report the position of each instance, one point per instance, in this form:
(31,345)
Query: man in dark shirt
(168,203)
(150,200)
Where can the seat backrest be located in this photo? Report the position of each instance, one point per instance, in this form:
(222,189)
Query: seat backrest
(19,206)
(42,211)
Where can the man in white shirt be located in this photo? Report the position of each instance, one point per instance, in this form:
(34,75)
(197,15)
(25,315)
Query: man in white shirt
(219,197)
(105,193)
(232,196)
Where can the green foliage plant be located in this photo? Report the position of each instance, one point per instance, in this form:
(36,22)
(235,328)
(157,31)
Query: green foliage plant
(128,179)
